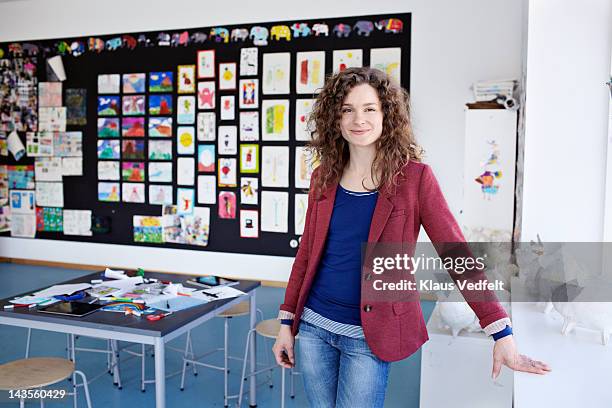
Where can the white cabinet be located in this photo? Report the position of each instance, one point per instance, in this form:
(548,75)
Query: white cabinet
(457,372)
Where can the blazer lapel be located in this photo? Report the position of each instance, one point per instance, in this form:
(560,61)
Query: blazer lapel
(381,213)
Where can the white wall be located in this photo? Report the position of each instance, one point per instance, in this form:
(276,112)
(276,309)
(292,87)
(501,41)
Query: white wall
(568,62)
(454,44)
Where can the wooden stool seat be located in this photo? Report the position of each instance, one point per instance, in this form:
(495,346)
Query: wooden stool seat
(34,372)
(240,309)
(269,328)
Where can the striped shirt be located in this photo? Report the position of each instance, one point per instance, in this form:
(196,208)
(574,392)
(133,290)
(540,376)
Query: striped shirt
(344,329)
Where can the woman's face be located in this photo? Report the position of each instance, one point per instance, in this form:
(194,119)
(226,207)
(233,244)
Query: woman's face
(362,118)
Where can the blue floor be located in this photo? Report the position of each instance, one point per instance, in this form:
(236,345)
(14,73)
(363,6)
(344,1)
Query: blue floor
(204,390)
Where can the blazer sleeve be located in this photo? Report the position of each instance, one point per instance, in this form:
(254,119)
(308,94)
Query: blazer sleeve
(447,238)
(287,309)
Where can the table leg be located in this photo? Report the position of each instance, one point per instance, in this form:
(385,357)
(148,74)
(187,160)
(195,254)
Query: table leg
(252,351)
(160,373)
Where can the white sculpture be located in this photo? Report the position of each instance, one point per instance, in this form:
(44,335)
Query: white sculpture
(576,302)
(457,315)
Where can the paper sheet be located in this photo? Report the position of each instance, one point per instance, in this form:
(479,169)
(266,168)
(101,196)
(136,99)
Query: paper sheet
(176,303)
(52,119)
(15,146)
(65,289)
(77,222)
(48,169)
(23,225)
(50,194)
(39,144)
(224,292)
(72,166)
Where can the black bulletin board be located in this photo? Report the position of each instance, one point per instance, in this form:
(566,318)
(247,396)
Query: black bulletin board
(80,192)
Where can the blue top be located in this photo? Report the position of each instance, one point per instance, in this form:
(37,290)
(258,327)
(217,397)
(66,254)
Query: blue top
(336,290)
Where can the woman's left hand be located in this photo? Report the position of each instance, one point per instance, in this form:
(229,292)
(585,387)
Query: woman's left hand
(505,352)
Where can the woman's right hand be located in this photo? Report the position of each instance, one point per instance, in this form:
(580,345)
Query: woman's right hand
(283,347)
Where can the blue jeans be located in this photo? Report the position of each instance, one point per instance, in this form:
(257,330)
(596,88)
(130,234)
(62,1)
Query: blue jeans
(340,371)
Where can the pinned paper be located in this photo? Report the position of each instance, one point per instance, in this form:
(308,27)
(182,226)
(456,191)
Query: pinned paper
(148,229)
(21,177)
(50,194)
(77,222)
(72,166)
(186,171)
(39,144)
(275,120)
(275,166)
(57,68)
(48,169)
(274,211)
(276,73)
(52,119)
(49,94)
(23,225)
(76,107)
(15,145)
(22,202)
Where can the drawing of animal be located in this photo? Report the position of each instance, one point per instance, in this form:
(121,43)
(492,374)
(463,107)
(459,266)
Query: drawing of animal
(300,29)
(180,39)
(62,47)
(198,37)
(15,49)
(129,42)
(320,29)
(259,35)
(163,39)
(114,43)
(280,31)
(220,34)
(30,49)
(240,34)
(144,40)
(95,44)
(342,30)
(391,25)
(364,27)
(77,48)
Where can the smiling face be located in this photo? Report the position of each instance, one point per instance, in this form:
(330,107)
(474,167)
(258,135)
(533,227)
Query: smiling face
(361,122)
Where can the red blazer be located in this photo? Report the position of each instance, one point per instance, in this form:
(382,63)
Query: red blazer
(393,330)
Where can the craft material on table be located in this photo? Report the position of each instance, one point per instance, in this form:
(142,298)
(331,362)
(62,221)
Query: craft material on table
(65,289)
(176,303)
(223,292)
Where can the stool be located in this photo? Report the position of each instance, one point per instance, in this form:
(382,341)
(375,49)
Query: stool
(38,372)
(267,329)
(112,352)
(241,309)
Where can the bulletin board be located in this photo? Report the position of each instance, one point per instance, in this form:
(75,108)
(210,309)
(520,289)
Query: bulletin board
(124,91)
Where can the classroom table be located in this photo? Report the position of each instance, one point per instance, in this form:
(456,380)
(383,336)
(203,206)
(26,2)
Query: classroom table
(117,326)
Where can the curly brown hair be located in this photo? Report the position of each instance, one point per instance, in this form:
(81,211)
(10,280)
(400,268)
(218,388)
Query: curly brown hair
(395,147)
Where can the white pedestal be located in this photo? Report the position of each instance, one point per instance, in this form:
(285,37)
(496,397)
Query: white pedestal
(581,373)
(457,372)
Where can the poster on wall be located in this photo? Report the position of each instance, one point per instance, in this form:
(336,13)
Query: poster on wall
(490,153)
(276,68)
(309,72)
(18,99)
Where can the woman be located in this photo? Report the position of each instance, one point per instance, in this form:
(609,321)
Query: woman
(369,187)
